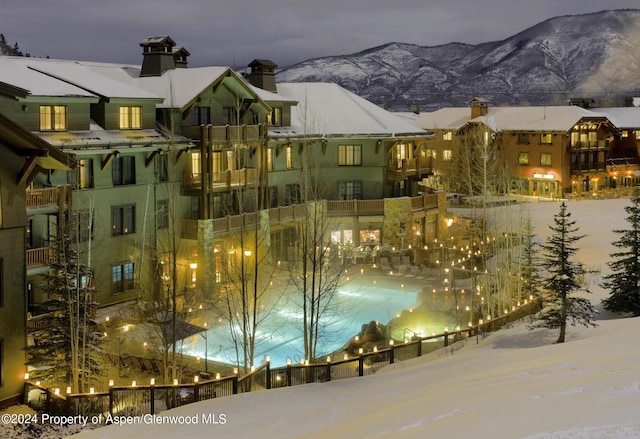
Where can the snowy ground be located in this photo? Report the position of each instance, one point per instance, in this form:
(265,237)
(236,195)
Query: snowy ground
(514,384)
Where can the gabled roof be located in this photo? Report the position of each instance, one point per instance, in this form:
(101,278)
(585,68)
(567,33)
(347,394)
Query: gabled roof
(500,119)
(154,41)
(621,117)
(326,109)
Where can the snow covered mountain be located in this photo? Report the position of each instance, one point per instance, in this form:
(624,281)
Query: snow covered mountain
(593,55)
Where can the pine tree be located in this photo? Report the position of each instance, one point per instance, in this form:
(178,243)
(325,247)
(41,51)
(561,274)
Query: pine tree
(562,280)
(529,271)
(66,349)
(624,281)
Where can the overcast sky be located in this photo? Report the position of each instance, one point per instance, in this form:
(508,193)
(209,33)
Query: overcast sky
(234,32)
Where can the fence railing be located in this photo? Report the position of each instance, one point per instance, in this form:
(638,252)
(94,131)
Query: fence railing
(143,400)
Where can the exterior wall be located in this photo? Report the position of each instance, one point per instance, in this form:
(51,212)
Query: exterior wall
(107,250)
(27,112)
(535,178)
(12,278)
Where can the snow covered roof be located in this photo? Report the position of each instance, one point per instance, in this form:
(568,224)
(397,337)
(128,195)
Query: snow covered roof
(76,73)
(16,72)
(544,118)
(99,137)
(269,96)
(451,118)
(621,117)
(327,109)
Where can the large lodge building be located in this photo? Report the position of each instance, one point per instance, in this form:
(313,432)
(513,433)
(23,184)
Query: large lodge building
(130,156)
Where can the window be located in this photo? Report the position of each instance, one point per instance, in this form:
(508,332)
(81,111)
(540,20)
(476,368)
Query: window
(123,220)
(122,277)
(85,173)
(275,117)
(162,214)
(130,118)
(625,133)
(638,135)
(195,208)
(289,157)
(229,116)
(545,138)
(447,135)
(269,159)
(349,155)
(293,194)
(350,190)
(201,116)
(446,155)
(523,158)
(432,153)
(53,118)
(123,170)
(273,196)
(195,167)
(523,139)
(545,159)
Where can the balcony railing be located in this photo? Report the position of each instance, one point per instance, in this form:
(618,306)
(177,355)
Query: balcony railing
(279,215)
(409,167)
(356,207)
(47,197)
(229,223)
(224,180)
(41,257)
(591,144)
(588,167)
(216,134)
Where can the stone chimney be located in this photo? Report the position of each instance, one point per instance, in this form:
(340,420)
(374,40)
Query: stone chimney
(479,107)
(159,55)
(263,74)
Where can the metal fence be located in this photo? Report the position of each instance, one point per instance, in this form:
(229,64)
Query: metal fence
(152,399)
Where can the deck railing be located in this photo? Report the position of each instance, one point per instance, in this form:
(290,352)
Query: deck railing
(144,400)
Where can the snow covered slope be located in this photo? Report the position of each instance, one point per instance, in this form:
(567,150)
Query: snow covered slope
(579,55)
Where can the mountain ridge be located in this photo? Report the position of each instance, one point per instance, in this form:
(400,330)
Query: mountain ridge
(544,64)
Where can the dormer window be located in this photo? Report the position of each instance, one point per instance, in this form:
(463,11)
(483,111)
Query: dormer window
(130,118)
(53,118)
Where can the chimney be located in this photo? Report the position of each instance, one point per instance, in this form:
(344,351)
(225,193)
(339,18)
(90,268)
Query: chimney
(479,107)
(157,55)
(263,74)
(180,55)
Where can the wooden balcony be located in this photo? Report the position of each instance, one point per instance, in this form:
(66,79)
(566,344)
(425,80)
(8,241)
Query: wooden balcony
(230,223)
(41,257)
(48,197)
(355,207)
(285,214)
(225,180)
(403,168)
(225,134)
(591,144)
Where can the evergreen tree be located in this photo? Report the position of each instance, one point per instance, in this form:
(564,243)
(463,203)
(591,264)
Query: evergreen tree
(66,348)
(624,281)
(529,271)
(562,280)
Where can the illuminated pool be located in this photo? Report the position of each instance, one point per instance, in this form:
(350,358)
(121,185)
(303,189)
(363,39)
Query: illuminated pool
(362,297)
